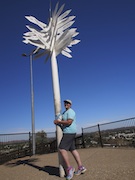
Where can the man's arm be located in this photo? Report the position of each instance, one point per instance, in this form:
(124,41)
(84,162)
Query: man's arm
(68,122)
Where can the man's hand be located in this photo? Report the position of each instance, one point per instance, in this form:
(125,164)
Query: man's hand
(57,121)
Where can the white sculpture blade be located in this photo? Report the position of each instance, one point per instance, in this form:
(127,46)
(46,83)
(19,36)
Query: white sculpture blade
(60,10)
(67,50)
(65,21)
(64,14)
(35,21)
(56,9)
(76,41)
(66,54)
(66,26)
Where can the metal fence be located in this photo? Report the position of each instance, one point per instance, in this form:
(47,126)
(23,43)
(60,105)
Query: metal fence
(117,134)
(46,143)
(14,146)
(18,145)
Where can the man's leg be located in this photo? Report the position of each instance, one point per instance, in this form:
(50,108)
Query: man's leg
(81,169)
(64,154)
(69,170)
(77,157)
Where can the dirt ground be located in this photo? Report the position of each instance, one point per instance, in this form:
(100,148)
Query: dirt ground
(101,164)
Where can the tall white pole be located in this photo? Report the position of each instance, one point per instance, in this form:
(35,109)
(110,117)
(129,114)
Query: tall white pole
(32,106)
(57,107)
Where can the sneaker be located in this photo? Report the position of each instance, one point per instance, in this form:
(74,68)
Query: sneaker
(81,170)
(70,172)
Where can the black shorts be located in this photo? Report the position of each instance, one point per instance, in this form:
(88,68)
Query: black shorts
(68,142)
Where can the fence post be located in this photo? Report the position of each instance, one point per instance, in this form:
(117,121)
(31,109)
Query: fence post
(83,139)
(100,137)
(30,144)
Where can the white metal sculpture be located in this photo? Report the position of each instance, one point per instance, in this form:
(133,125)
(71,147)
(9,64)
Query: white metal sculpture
(51,40)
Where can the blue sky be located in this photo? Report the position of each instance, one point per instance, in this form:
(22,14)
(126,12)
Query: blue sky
(99,79)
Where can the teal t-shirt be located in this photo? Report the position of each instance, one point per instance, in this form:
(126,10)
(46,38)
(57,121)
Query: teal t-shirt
(69,114)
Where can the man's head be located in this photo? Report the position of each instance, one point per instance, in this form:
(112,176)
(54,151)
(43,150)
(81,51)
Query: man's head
(67,103)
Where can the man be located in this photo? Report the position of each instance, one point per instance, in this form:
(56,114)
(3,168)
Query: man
(68,124)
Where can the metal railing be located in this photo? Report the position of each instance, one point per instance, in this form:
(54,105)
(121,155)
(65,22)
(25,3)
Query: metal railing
(18,145)
(15,145)
(117,134)
(113,134)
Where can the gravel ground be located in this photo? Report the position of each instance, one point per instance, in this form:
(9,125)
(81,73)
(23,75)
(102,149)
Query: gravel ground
(101,164)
